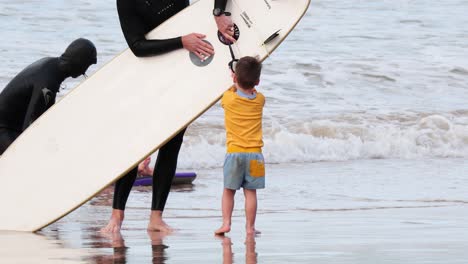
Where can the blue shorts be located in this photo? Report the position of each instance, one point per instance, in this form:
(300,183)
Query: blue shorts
(246,170)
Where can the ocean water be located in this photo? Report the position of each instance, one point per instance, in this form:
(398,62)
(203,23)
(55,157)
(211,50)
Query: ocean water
(356,79)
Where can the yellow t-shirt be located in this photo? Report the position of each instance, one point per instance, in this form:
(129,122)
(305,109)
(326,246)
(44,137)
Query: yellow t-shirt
(243,122)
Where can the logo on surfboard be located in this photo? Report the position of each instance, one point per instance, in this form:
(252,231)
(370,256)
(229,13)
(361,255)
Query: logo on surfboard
(246,19)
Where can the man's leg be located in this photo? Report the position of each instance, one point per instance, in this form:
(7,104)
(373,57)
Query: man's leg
(121,192)
(163,174)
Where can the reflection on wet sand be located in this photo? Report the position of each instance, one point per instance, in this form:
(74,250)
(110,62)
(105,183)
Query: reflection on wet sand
(120,250)
(250,253)
(110,240)
(158,248)
(228,256)
(22,247)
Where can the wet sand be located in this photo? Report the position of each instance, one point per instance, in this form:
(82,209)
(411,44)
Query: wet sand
(377,211)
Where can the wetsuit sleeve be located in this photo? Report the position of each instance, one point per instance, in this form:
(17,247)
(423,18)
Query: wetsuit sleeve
(220,4)
(41,100)
(134,31)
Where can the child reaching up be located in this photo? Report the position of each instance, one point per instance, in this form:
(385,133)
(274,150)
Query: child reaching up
(244,164)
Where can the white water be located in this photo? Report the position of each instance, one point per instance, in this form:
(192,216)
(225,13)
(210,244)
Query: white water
(355,80)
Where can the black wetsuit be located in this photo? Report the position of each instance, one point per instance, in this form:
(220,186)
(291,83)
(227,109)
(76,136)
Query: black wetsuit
(26,97)
(220,4)
(30,93)
(137,18)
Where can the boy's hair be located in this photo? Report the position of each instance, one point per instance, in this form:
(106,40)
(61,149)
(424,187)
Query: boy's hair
(248,70)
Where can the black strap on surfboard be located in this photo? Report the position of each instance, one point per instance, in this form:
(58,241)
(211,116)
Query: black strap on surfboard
(233,61)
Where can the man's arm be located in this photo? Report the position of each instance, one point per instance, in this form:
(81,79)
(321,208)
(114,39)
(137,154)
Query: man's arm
(220,4)
(41,100)
(134,32)
(224,23)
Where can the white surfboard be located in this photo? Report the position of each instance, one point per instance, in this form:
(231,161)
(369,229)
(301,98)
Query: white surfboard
(92,133)
(21,248)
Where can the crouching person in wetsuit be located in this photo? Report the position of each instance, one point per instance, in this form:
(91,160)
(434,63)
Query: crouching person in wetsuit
(137,18)
(34,89)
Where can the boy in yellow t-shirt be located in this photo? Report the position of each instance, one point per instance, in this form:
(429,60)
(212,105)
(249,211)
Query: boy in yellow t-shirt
(244,164)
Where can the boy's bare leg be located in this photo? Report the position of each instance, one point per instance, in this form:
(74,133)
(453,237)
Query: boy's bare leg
(157,223)
(227,207)
(115,222)
(250,211)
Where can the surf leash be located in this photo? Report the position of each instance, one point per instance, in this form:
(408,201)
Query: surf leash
(229,43)
(233,61)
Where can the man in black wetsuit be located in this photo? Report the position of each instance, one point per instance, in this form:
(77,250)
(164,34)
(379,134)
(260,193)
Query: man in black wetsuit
(137,18)
(34,89)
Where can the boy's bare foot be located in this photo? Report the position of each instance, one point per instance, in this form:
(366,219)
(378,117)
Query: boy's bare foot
(252,231)
(222,230)
(115,222)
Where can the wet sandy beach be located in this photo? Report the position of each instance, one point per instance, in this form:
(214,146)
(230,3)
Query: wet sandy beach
(309,213)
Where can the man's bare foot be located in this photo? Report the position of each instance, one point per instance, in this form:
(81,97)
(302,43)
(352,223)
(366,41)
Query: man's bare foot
(160,227)
(157,223)
(115,222)
(222,230)
(252,231)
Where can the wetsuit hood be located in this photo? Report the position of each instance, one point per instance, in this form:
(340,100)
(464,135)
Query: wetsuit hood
(78,56)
